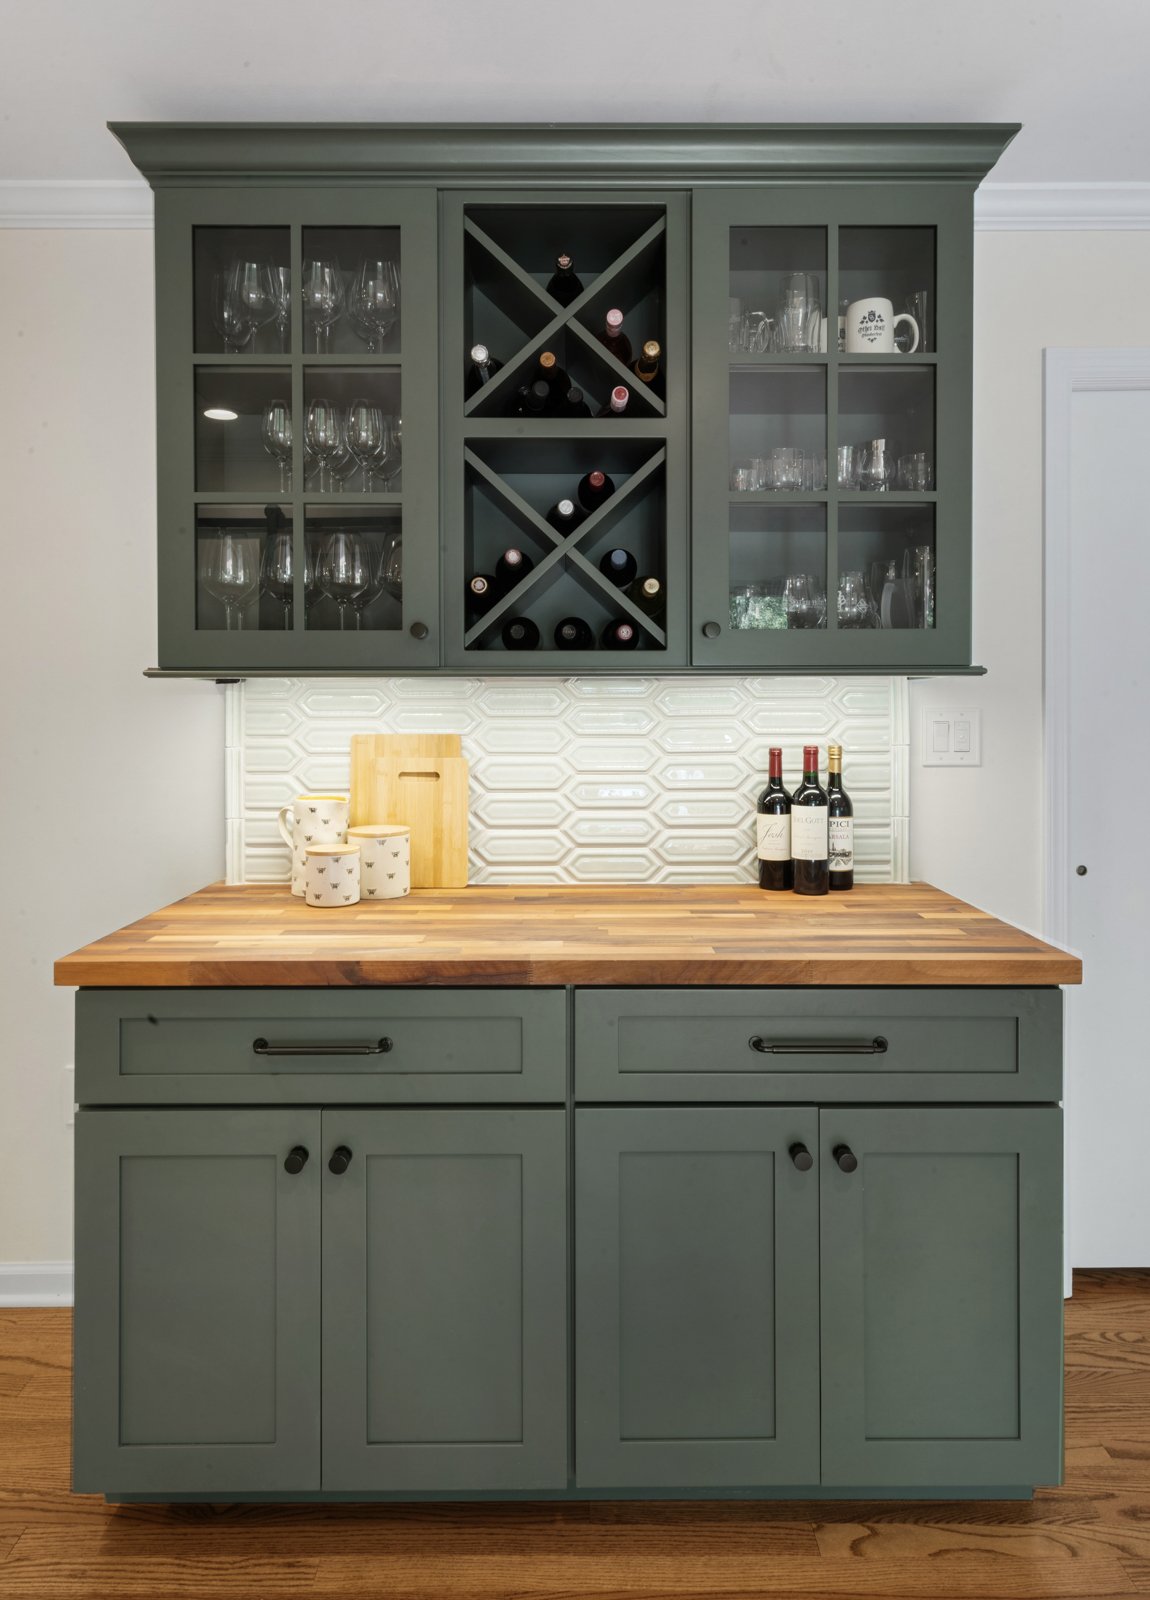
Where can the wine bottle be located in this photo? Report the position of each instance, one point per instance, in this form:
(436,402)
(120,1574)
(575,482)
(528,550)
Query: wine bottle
(573,634)
(530,400)
(481,596)
(481,369)
(511,566)
(647,594)
(594,488)
(574,403)
(615,339)
(840,823)
(619,635)
(563,285)
(520,633)
(646,368)
(620,566)
(809,832)
(549,371)
(565,516)
(773,824)
(617,404)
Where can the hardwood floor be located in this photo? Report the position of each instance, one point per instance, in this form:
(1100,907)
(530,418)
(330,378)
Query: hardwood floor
(1090,1538)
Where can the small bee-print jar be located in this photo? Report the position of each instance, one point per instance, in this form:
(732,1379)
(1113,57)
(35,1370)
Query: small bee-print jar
(331,876)
(385,859)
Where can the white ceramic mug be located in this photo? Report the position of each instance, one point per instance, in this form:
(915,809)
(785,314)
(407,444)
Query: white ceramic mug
(870,328)
(311,819)
(384,859)
(331,874)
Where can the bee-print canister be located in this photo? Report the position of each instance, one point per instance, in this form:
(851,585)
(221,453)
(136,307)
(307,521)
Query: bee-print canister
(331,875)
(385,859)
(311,819)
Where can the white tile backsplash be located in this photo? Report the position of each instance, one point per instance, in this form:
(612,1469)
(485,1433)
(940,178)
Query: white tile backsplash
(582,780)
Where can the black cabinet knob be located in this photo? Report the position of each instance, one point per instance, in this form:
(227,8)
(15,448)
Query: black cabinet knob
(419,630)
(295,1160)
(1081,871)
(801,1157)
(711,630)
(845,1157)
(340,1159)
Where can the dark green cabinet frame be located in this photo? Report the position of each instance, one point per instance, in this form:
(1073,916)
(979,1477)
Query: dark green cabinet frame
(835,175)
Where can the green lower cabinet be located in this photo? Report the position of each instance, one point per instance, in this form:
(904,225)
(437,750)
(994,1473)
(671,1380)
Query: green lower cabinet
(445,1301)
(197,1331)
(942,1297)
(697,1306)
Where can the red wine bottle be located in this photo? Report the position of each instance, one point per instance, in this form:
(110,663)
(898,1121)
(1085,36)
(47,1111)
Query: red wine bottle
(530,400)
(511,566)
(809,831)
(563,285)
(520,633)
(594,488)
(615,339)
(574,403)
(840,823)
(773,824)
(482,367)
(565,516)
(620,566)
(617,405)
(573,634)
(549,371)
(647,594)
(646,368)
(619,635)
(482,594)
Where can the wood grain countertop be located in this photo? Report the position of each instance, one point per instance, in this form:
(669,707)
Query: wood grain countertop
(260,936)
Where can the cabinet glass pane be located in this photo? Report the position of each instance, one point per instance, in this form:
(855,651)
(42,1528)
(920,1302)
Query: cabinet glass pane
(354,568)
(244,568)
(351,291)
(895,264)
(886,429)
(242,291)
(886,566)
(778,428)
(778,291)
(243,430)
(778,566)
(353,430)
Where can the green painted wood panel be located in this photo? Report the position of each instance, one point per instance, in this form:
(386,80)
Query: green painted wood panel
(189,1046)
(197,1355)
(942,1044)
(696,1298)
(942,1296)
(445,1295)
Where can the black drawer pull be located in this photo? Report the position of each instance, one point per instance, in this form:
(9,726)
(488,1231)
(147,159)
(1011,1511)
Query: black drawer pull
(263,1048)
(845,1158)
(340,1160)
(295,1160)
(831,1047)
(801,1157)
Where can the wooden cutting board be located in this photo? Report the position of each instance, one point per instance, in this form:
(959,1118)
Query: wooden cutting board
(426,790)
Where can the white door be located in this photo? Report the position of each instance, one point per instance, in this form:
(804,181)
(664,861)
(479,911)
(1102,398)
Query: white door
(1107,678)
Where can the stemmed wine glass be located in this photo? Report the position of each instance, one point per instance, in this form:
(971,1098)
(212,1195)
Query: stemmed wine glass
(278,570)
(278,439)
(281,289)
(323,298)
(252,288)
(344,570)
(366,437)
(324,437)
(229,572)
(393,454)
(374,302)
(374,586)
(391,564)
(229,317)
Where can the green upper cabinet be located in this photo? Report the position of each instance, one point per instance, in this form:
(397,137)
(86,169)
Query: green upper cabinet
(788,482)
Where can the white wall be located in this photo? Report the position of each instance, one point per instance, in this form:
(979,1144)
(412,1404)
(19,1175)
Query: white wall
(110,786)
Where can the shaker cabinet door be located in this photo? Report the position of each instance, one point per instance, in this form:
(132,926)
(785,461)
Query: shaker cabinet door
(696,1298)
(942,1297)
(197,1361)
(445,1300)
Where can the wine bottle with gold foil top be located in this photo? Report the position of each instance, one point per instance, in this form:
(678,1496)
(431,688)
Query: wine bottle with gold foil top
(646,368)
(840,823)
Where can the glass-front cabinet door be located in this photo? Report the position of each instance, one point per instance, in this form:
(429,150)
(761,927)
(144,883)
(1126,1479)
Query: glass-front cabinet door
(831,482)
(297,414)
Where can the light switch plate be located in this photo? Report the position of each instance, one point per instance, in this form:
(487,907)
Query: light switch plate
(951,738)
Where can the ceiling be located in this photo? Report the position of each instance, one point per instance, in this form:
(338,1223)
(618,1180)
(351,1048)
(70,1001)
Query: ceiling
(1074,73)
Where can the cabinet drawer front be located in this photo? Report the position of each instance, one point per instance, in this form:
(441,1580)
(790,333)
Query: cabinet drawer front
(390,1046)
(783,1044)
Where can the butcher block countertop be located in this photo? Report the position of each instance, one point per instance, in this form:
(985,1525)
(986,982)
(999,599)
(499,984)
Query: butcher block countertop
(260,936)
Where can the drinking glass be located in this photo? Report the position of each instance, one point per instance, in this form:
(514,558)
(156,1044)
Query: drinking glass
(277,570)
(229,318)
(391,565)
(801,606)
(874,471)
(920,305)
(229,571)
(847,472)
(373,588)
(854,610)
(392,460)
(324,438)
(281,288)
(916,471)
(734,325)
(758,335)
(312,550)
(814,469)
(323,299)
(344,570)
(799,309)
(744,478)
(366,437)
(253,289)
(924,585)
(784,468)
(278,440)
(374,301)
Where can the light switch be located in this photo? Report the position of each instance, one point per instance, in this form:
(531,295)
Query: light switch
(951,738)
(940,735)
(961,735)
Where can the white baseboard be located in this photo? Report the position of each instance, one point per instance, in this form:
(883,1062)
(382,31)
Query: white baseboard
(35,1283)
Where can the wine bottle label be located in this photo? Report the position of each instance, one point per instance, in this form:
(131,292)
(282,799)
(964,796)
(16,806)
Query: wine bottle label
(774,837)
(809,833)
(842,844)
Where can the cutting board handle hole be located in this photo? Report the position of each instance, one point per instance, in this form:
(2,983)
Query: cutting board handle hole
(434,776)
